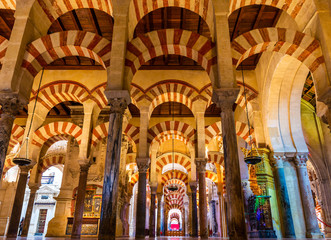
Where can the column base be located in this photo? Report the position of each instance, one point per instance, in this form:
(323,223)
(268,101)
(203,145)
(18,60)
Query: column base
(314,235)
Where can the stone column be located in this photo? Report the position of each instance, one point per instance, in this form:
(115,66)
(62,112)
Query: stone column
(118,103)
(18,202)
(143,165)
(193,187)
(312,228)
(201,169)
(28,213)
(152,213)
(159,199)
(222,215)
(189,220)
(284,201)
(10,108)
(225,99)
(79,207)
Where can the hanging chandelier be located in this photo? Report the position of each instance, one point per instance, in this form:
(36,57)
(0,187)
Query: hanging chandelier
(24,161)
(173,187)
(252,156)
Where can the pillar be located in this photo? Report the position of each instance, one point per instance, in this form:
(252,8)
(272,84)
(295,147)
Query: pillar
(194,213)
(189,220)
(79,207)
(221,201)
(225,99)
(312,228)
(152,213)
(143,165)
(201,169)
(28,213)
(10,107)
(118,103)
(18,202)
(159,199)
(284,201)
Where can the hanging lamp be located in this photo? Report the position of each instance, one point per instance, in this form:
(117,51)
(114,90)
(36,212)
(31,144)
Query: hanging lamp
(173,187)
(252,156)
(24,161)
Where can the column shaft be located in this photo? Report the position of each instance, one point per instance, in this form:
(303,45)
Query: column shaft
(312,228)
(235,210)
(18,203)
(28,212)
(141,203)
(152,217)
(79,207)
(284,201)
(201,167)
(159,197)
(107,229)
(194,212)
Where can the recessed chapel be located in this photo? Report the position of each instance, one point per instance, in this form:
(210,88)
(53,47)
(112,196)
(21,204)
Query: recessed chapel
(165,118)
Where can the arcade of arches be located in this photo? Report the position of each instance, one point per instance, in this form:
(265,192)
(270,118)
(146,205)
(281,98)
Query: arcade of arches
(134,115)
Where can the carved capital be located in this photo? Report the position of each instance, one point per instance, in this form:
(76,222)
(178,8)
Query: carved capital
(11,104)
(201,164)
(278,159)
(225,98)
(300,160)
(193,186)
(143,164)
(26,168)
(84,167)
(117,105)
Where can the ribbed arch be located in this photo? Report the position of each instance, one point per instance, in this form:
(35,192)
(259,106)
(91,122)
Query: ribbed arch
(8,4)
(167,158)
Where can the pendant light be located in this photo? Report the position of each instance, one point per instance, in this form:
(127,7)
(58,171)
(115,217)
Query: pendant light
(252,156)
(24,161)
(172,187)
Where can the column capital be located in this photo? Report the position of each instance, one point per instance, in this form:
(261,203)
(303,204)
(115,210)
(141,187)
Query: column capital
(193,186)
(201,164)
(225,97)
(11,103)
(25,169)
(277,159)
(118,100)
(153,187)
(300,160)
(84,167)
(34,187)
(143,164)
(159,196)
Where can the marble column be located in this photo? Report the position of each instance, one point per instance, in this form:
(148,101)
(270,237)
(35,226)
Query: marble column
(18,202)
(79,207)
(10,108)
(225,99)
(312,228)
(189,220)
(107,228)
(152,214)
(159,199)
(28,213)
(193,187)
(201,169)
(284,201)
(143,165)
(223,226)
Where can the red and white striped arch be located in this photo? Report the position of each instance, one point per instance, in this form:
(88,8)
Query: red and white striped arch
(181,190)
(170,41)
(97,95)
(250,95)
(56,128)
(174,206)
(53,9)
(49,48)
(170,127)
(50,161)
(3,47)
(215,157)
(101,131)
(174,175)
(55,139)
(242,130)
(16,136)
(139,8)
(54,93)
(175,215)
(167,158)
(300,11)
(8,165)
(176,182)
(175,202)
(8,4)
(212,176)
(171,91)
(301,46)
(163,137)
